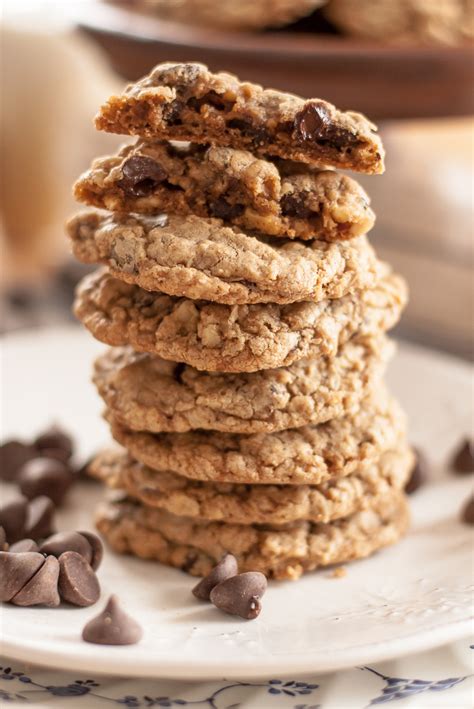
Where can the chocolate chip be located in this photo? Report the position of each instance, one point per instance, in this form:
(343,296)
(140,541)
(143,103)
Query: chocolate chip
(293,206)
(241,594)
(313,123)
(57,440)
(258,134)
(112,627)
(13,518)
(42,588)
(171,113)
(23,545)
(221,209)
(141,174)
(3,540)
(467,513)
(61,542)
(40,518)
(463,459)
(226,568)
(13,455)
(78,583)
(419,472)
(15,571)
(45,476)
(97,548)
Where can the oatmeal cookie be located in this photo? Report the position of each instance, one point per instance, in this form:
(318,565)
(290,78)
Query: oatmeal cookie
(147,393)
(255,504)
(421,21)
(231,15)
(284,552)
(277,197)
(188,102)
(239,338)
(203,258)
(307,455)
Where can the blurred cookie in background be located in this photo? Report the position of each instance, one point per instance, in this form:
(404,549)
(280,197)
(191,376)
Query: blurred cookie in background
(395,21)
(231,14)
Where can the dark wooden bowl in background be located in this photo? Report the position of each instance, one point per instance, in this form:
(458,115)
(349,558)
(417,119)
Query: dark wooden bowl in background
(385,82)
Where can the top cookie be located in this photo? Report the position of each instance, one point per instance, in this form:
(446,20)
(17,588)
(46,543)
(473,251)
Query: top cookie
(188,102)
(202,258)
(279,198)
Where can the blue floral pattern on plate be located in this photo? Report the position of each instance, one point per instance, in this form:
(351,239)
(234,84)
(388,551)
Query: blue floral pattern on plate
(27,689)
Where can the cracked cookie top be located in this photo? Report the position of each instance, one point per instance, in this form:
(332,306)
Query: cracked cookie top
(147,393)
(203,258)
(255,504)
(310,454)
(238,338)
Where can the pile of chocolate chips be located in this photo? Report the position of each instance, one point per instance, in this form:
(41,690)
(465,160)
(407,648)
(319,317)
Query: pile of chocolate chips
(62,567)
(231,592)
(42,466)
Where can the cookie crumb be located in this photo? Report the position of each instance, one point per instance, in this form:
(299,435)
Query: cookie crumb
(339,572)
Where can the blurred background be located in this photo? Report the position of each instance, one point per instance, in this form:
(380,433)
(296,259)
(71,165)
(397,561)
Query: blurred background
(407,64)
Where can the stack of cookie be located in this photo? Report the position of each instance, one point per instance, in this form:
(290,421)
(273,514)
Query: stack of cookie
(247,314)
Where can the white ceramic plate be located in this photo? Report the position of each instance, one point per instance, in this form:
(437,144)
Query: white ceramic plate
(408,598)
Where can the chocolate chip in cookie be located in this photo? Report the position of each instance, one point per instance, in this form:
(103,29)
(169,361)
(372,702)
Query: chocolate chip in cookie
(141,174)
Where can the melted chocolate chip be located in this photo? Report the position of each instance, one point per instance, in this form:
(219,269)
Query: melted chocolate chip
(241,594)
(221,209)
(141,174)
(463,459)
(171,113)
(112,627)
(226,568)
(258,134)
(293,206)
(313,123)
